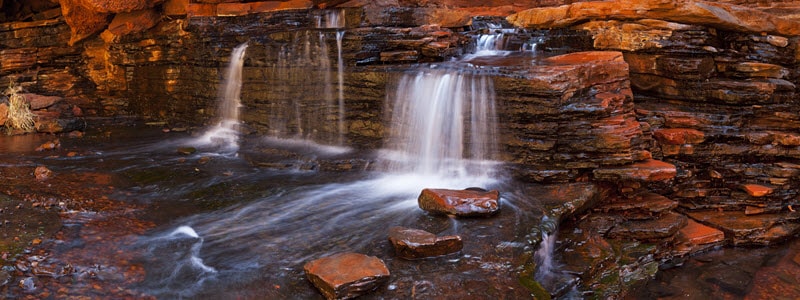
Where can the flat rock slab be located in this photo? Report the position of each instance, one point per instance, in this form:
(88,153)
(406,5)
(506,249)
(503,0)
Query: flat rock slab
(662,227)
(346,275)
(412,243)
(641,207)
(742,229)
(462,203)
(645,171)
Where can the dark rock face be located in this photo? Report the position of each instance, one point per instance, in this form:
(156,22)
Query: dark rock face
(461,203)
(415,244)
(346,275)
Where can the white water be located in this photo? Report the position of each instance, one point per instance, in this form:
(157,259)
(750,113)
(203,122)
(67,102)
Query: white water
(225,134)
(443,123)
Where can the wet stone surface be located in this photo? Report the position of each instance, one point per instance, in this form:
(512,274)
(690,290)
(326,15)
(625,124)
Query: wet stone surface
(461,203)
(415,244)
(346,275)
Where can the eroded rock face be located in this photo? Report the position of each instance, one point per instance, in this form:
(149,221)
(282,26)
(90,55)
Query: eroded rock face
(462,203)
(415,244)
(346,275)
(720,15)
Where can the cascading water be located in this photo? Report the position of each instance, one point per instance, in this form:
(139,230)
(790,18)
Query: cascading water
(443,123)
(225,134)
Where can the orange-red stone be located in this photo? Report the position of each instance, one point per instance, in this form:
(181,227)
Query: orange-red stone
(346,275)
(459,202)
(757,190)
(648,170)
(700,234)
(679,136)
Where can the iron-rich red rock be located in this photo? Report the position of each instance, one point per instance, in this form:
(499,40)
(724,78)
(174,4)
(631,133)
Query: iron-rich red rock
(40,101)
(648,170)
(662,227)
(761,229)
(346,275)
(757,190)
(136,21)
(42,173)
(640,207)
(462,203)
(415,244)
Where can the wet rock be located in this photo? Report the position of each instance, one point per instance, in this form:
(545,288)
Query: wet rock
(648,170)
(42,173)
(415,244)
(662,227)
(757,190)
(187,150)
(679,136)
(696,237)
(50,145)
(463,203)
(346,275)
(640,207)
(761,229)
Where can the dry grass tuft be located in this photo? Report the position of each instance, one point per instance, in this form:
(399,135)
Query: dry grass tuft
(19,112)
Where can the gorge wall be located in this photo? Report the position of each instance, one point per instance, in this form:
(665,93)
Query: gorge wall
(686,113)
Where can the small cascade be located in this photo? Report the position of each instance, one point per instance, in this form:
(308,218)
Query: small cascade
(544,255)
(225,133)
(443,123)
(307,107)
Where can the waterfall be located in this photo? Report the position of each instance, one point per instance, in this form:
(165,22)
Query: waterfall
(225,133)
(443,123)
(340,66)
(544,255)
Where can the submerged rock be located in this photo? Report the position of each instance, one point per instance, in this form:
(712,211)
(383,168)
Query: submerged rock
(346,275)
(415,244)
(462,203)
(42,173)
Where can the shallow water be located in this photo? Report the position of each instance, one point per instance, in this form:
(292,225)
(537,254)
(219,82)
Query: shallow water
(219,226)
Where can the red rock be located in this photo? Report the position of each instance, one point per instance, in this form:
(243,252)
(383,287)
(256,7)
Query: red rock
(754,210)
(42,173)
(720,15)
(459,202)
(264,6)
(201,10)
(119,6)
(346,275)
(82,21)
(136,21)
(399,56)
(640,207)
(762,229)
(415,244)
(175,7)
(757,190)
(3,113)
(39,101)
(679,136)
(233,9)
(648,170)
(51,145)
(662,227)
(699,234)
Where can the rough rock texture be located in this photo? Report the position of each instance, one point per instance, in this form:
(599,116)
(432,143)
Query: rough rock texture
(415,244)
(346,275)
(463,203)
(720,15)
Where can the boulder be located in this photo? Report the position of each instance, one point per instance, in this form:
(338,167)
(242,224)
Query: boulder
(463,203)
(42,173)
(82,21)
(415,244)
(346,275)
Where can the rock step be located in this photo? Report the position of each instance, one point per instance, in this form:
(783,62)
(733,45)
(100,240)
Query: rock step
(662,227)
(696,237)
(640,207)
(412,243)
(346,275)
(462,203)
(741,229)
(645,171)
